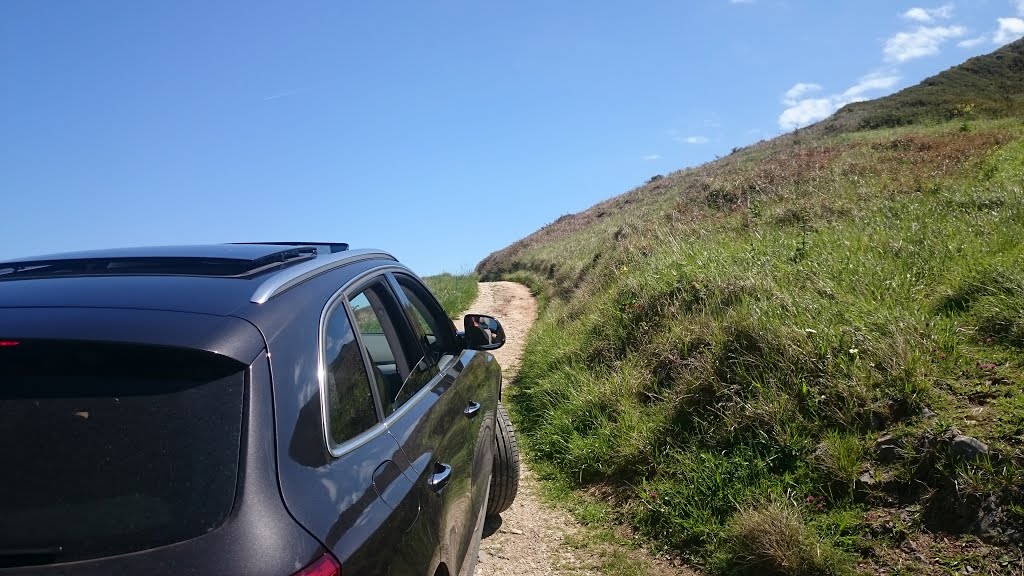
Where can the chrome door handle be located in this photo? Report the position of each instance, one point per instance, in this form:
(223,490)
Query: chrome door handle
(472,409)
(439,479)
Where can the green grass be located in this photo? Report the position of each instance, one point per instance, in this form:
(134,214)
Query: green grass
(455,292)
(725,364)
(603,545)
(989,86)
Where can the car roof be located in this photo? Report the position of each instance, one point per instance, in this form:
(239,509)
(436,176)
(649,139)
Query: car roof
(211,279)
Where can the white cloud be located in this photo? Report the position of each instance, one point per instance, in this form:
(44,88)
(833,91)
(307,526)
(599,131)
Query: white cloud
(691,139)
(652,157)
(925,41)
(799,90)
(927,15)
(801,112)
(876,81)
(919,14)
(1009,30)
(805,112)
(972,42)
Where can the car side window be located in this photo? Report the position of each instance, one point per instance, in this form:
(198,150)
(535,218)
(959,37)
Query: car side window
(398,363)
(350,405)
(435,327)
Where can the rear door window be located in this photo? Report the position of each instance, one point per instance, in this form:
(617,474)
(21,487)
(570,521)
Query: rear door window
(113,448)
(350,405)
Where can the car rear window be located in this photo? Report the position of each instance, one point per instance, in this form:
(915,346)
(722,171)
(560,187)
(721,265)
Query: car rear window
(109,448)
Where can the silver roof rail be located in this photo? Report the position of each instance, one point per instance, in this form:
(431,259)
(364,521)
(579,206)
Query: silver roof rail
(299,273)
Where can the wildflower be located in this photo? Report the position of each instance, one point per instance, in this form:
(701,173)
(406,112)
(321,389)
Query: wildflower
(854,350)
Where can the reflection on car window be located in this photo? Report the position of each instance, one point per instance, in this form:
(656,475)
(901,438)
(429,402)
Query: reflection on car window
(420,320)
(427,334)
(432,321)
(366,318)
(350,408)
(399,367)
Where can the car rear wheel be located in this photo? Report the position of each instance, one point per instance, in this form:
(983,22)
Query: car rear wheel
(505,474)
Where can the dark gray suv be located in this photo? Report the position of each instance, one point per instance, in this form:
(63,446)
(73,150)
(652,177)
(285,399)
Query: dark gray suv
(259,409)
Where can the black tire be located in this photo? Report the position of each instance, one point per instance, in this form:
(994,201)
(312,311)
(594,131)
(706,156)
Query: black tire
(505,474)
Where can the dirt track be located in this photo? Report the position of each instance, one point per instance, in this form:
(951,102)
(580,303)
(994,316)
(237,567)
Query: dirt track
(530,538)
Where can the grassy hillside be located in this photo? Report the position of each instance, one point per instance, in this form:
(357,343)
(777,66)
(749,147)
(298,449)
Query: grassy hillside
(986,87)
(804,358)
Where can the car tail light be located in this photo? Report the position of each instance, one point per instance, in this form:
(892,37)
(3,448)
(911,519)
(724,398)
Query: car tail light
(326,565)
(8,343)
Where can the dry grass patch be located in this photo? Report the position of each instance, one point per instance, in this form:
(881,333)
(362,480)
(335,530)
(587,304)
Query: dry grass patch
(772,538)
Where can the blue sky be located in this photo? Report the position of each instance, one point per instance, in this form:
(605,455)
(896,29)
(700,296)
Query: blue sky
(438,130)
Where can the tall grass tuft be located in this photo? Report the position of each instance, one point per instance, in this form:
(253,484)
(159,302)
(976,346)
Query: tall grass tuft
(773,539)
(455,292)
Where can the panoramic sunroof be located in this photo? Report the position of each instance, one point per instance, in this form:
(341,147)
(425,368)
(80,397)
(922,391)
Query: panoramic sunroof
(227,260)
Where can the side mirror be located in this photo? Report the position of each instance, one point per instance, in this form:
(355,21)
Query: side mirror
(483,332)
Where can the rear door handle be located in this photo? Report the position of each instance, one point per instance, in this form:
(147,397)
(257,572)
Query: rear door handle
(472,409)
(439,479)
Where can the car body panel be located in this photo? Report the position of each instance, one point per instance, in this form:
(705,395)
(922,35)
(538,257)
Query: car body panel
(435,429)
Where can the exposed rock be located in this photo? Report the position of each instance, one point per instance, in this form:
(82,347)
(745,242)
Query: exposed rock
(866,480)
(967,447)
(995,523)
(927,414)
(906,516)
(887,449)
(951,511)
